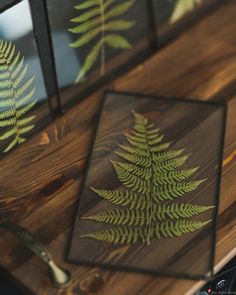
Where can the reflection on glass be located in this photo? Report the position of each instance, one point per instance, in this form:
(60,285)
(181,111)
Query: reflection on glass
(21,80)
(91,39)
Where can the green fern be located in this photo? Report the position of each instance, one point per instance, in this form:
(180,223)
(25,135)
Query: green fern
(98,21)
(15,96)
(182,7)
(149,177)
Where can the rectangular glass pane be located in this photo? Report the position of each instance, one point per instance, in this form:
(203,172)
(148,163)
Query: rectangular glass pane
(152,186)
(92,39)
(23,100)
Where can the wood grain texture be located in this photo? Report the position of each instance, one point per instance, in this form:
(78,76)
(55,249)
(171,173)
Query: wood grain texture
(40,181)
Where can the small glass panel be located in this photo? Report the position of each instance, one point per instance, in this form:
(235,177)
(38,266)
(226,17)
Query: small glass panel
(152,187)
(23,100)
(92,39)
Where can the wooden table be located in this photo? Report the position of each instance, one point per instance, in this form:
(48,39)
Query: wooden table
(40,181)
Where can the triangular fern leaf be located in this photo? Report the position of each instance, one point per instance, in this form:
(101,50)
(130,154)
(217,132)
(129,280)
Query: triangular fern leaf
(20,91)
(134,150)
(145,173)
(171,164)
(96,19)
(138,160)
(171,177)
(123,198)
(23,110)
(150,178)
(25,99)
(20,78)
(16,92)
(163,156)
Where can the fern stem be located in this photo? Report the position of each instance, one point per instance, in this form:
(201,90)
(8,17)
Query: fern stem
(102,68)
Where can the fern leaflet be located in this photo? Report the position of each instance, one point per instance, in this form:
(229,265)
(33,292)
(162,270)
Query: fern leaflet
(149,177)
(16,96)
(98,21)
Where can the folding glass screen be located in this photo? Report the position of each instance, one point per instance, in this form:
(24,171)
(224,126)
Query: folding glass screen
(23,100)
(150,198)
(92,39)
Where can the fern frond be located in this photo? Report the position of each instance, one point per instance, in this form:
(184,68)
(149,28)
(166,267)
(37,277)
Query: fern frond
(134,217)
(150,178)
(16,95)
(98,21)
(129,235)
(87,4)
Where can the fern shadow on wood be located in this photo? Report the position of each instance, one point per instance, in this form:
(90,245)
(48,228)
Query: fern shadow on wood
(151,181)
(99,20)
(16,96)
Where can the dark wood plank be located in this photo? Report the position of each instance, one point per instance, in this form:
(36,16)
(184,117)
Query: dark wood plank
(40,180)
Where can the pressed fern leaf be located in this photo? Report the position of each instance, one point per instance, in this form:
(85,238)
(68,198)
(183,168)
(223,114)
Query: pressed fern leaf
(182,7)
(130,235)
(98,21)
(150,176)
(16,96)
